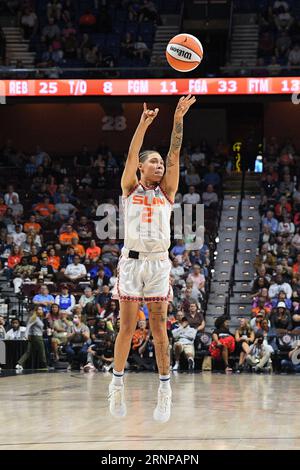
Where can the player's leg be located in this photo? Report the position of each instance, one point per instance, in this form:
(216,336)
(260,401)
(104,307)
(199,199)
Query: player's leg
(128,320)
(158,326)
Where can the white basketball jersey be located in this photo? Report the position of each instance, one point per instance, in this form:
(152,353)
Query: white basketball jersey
(147,213)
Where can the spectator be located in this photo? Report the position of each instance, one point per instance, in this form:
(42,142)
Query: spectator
(209,197)
(34,332)
(280,285)
(21,272)
(195,317)
(177,271)
(244,337)
(50,31)
(184,337)
(178,249)
(43,299)
(255,323)
(281,298)
(65,300)
(259,355)
(93,253)
(101,354)
(32,225)
(103,299)
(45,271)
(64,208)
(85,229)
(294,55)
(223,342)
(19,237)
(78,248)
(212,177)
(8,197)
(87,301)
(16,207)
(76,271)
(100,280)
(61,326)
(53,259)
(45,210)
(78,340)
(191,197)
(270,221)
(2,328)
(292,363)
(87,22)
(141,49)
(281,319)
(3,207)
(14,258)
(110,252)
(143,348)
(29,23)
(197,277)
(17,332)
(66,237)
(191,177)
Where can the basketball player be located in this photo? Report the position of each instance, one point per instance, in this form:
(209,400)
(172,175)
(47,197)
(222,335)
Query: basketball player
(144,265)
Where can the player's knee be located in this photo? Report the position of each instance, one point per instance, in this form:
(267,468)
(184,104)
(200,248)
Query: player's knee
(159,333)
(127,330)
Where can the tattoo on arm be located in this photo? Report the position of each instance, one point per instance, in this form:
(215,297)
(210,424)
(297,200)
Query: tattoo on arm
(176,141)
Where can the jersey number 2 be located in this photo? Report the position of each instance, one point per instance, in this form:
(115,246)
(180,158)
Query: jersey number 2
(147,215)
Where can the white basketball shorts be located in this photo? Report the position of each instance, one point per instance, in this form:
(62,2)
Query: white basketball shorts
(144,279)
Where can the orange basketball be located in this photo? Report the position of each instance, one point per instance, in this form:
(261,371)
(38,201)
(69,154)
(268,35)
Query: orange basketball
(184,52)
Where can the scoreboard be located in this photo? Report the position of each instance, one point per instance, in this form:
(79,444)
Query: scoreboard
(150,87)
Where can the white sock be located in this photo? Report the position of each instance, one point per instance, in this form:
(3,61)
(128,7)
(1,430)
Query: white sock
(118,377)
(164,382)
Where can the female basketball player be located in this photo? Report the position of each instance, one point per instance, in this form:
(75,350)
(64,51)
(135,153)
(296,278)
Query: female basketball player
(144,266)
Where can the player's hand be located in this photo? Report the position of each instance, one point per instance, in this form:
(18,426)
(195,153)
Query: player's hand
(184,105)
(148,115)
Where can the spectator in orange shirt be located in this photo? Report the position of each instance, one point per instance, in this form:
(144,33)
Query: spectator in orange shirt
(141,315)
(140,335)
(65,238)
(93,253)
(53,259)
(32,225)
(3,207)
(15,257)
(79,249)
(143,348)
(296,266)
(45,209)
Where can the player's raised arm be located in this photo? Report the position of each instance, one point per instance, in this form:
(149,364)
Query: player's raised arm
(129,178)
(171,178)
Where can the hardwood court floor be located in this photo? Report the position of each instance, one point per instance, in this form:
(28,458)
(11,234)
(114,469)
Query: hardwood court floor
(211,411)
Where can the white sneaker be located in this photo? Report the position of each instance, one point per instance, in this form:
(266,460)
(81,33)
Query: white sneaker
(176,367)
(19,367)
(89,367)
(162,411)
(116,398)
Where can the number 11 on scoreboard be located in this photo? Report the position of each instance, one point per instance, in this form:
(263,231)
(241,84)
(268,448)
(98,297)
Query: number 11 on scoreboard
(168,87)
